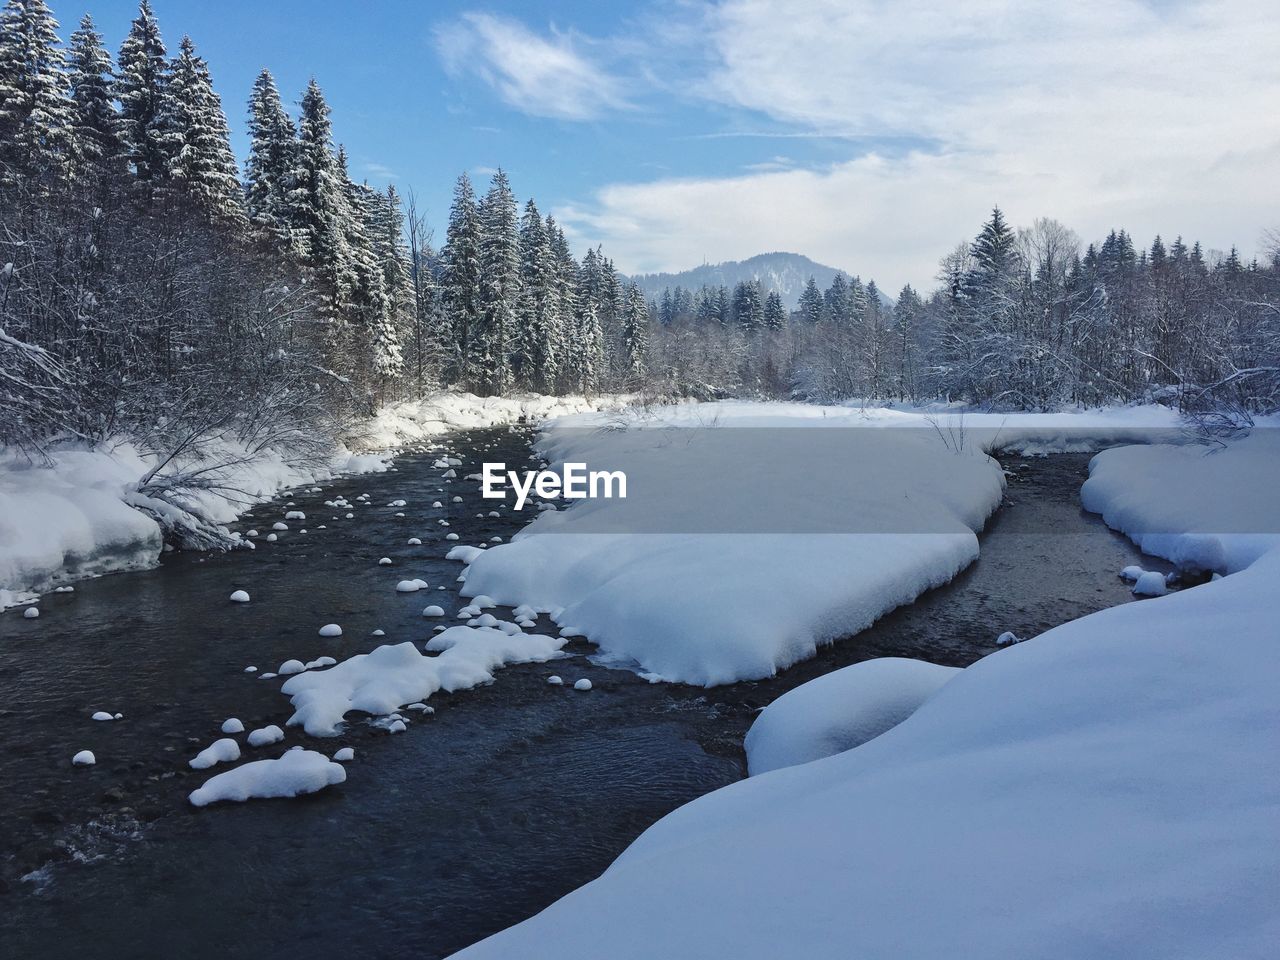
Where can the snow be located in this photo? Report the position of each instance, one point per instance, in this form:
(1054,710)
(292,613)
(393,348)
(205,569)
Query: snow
(232,725)
(434,610)
(293,774)
(239,596)
(583,684)
(331,630)
(1150,584)
(31,613)
(411,421)
(225,750)
(840,710)
(555,680)
(265,736)
(1105,789)
(290,667)
(84,758)
(415,542)
(380,682)
(77,518)
(411,586)
(384,562)
(102,715)
(345,755)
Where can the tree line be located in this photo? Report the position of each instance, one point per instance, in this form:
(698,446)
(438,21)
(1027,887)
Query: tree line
(1021,319)
(150,291)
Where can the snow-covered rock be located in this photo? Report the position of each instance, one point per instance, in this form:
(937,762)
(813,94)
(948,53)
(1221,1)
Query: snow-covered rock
(330,630)
(239,596)
(583,684)
(434,610)
(31,613)
(220,751)
(345,755)
(380,682)
(102,715)
(293,774)
(290,667)
(265,736)
(84,758)
(232,725)
(840,710)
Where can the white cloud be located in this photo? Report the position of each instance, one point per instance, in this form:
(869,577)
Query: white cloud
(541,76)
(1158,118)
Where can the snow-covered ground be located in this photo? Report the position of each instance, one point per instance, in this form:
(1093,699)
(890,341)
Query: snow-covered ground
(1107,789)
(77,517)
(768,528)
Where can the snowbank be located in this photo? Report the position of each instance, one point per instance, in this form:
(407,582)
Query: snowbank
(83,516)
(295,773)
(1206,509)
(393,675)
(840,710)
(412,421)
(1105,789)
(719,565)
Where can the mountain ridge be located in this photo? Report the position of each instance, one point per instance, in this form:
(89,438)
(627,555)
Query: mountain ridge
(778,270)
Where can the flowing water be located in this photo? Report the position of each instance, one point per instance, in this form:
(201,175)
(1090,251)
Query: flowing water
(504,800)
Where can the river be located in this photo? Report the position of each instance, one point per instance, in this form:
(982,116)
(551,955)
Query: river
(504,800)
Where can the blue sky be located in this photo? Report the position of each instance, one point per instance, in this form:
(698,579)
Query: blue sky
(873,136)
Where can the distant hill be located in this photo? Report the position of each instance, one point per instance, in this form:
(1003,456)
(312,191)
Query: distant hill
(787,273)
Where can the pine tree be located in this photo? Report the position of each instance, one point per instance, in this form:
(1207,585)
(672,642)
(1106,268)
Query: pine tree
(272,159)
(142,87)
(635,332)
(836,300)
(318,202)
(202,162)
(811,302)
(460,281)
(35,114)
(748,310)
(775,316)
(372,327)
(565,300)
(587,356)
(95,143)
(537,341)
(499,288)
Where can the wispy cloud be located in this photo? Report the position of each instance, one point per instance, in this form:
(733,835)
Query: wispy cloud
(379,171)
(545,76)
(1099,112)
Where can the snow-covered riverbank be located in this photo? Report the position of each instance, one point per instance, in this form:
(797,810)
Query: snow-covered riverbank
(79,517)
(1105,789)
(768,528)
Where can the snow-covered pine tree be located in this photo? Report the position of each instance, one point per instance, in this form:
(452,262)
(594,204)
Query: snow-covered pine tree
(499,288)
(387,233)
(635,333)
(460,279)
(202,163)
(35,114)
(587,356)
(836,300)
(775,315)
(537,360)
(273,148)
(748,310)
(318,204)
(95,142)
(811,302)
(565,302)
(146,110)
(371,326)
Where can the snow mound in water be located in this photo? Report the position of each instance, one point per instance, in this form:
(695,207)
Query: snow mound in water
(1150,584)
(331,630)
(295,773)
(381,682)
(713,570)
(265,736)
(345,755)
(232,725)
(840,710)
(84,758)
(434,610)
(220,751)
(239,596)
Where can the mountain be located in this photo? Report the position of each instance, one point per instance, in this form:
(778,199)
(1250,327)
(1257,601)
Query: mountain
(786,273)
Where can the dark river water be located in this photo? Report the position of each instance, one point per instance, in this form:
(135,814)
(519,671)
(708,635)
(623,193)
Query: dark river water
(510,796)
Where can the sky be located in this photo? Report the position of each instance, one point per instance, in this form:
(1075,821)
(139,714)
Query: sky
(870,136)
